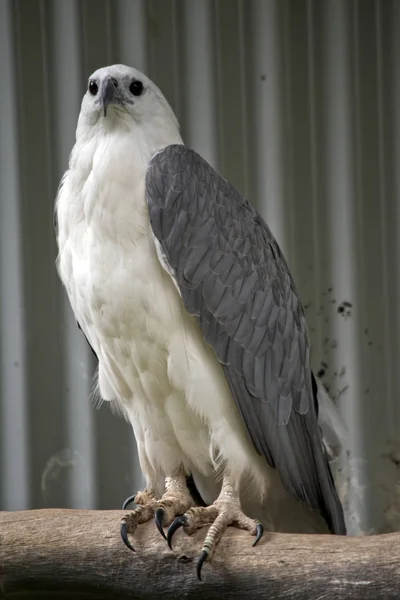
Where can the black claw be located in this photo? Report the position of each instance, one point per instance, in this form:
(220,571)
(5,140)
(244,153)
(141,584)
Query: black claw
(124,535)
(259,533)
(200,563)
(179,522)
(158,518)
(128,501)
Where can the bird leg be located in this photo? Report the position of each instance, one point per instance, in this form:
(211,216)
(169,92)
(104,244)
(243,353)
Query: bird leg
(175,501)
(225,511)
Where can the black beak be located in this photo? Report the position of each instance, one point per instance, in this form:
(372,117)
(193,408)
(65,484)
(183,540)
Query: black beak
(108,90)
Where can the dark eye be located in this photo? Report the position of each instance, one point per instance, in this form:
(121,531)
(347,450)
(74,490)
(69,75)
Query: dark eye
(136,88)
(93,87)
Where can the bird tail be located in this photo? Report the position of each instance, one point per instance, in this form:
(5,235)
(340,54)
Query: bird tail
(334,436)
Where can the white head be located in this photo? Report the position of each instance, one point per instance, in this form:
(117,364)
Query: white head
(120,97)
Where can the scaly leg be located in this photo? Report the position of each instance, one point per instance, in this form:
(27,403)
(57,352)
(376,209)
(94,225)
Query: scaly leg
(175,501)
(225,511)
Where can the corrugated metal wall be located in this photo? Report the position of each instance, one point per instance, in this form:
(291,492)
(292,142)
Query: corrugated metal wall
(297,103)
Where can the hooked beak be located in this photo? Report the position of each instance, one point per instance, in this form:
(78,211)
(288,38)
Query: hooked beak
(108,92)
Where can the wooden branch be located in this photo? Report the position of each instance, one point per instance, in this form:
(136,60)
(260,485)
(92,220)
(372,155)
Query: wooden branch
(76,554)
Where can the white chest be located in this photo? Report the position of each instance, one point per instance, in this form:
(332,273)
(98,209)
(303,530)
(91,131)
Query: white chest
(152,357)
(121,295)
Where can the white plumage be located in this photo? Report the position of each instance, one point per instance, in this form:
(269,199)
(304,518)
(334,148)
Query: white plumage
(152,357)
(153,360)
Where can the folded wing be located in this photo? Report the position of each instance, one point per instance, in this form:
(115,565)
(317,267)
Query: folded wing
(234,280)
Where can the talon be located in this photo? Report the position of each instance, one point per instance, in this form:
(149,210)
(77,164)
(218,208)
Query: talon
(259,533)
(179,522)
(158,518)
(128,501)
(200,562)
(124,535)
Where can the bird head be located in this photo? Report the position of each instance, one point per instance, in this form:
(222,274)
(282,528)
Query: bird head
(122,96)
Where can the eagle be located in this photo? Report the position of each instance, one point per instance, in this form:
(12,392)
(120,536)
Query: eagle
(186,299)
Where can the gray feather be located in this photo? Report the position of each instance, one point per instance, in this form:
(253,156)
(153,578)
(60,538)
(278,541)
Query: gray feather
(234,279)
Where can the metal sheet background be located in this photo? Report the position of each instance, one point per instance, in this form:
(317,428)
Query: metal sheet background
(297,103)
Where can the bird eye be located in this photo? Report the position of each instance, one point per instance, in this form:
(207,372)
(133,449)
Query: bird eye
(136,88)
(93,87)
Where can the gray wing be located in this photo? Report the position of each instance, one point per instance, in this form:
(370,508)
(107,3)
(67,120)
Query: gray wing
(235,281)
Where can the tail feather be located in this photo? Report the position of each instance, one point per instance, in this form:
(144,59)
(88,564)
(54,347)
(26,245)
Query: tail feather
(334,438)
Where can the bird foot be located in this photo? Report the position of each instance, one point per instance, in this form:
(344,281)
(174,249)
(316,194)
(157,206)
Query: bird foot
(220,515)
(175,501)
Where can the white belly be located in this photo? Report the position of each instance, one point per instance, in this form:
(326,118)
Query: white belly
(153,360)
(152,357)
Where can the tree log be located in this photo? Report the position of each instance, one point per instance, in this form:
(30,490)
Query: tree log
(77,554)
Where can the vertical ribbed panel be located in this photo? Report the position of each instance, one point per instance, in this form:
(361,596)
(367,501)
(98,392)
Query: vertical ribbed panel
(14,435)
(132,37)
(392,172)
(65,78)
(342,212)
(297,103)
(267,92)
(199,78)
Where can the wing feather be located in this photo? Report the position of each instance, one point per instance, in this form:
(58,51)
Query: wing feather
(232,276)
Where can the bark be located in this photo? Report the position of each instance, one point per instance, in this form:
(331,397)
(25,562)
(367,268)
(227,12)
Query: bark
(78,554)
